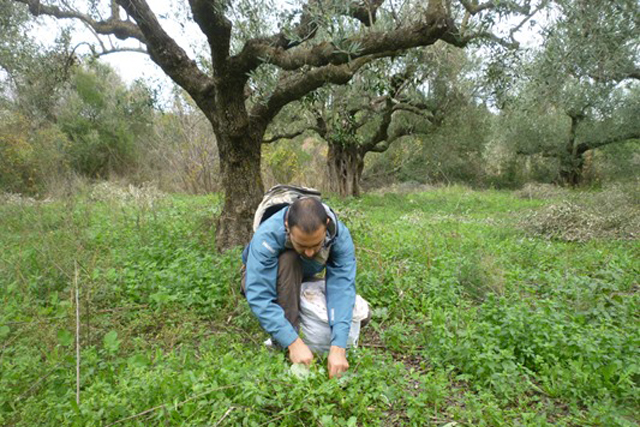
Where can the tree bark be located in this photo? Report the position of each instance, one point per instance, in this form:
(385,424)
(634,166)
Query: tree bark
(240,170)
(239,143)
(345,165)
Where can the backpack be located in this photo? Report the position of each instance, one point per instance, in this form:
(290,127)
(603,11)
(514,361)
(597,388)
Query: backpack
(279,197)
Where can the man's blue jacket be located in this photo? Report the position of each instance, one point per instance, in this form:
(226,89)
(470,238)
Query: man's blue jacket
(261,260)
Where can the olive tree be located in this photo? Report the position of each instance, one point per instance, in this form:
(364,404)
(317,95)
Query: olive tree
(261,57)
(404,96)
(580,92)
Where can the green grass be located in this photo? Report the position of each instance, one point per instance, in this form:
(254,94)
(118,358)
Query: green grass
(474,320)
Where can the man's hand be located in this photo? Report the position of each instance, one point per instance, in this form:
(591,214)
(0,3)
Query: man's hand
(337,361)
(300,353)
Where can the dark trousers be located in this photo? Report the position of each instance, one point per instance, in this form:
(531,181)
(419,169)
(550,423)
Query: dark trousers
(287,286)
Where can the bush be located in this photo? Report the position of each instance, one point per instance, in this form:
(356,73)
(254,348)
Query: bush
(103,120)
(29,158)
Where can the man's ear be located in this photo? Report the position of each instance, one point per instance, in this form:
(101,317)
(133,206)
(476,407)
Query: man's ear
(286,225)
(327,221)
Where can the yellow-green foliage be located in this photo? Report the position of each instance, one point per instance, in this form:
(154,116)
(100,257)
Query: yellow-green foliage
(286,162)
(28,157)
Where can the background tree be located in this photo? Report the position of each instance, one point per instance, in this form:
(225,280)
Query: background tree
(31,80)
(262,58)
(580,92)
(103,118)
(392,99)
(181,154)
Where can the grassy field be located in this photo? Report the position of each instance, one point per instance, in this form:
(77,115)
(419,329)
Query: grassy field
(477,320)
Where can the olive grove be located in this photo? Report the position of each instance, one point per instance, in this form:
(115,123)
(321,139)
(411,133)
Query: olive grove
(580,91)
(405,96)
(261,57)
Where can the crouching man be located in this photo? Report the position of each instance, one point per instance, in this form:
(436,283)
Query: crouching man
(297,243)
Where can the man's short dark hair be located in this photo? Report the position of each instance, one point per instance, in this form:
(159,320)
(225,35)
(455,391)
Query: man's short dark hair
(308,214)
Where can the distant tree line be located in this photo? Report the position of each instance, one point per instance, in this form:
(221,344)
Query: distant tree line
(429,88)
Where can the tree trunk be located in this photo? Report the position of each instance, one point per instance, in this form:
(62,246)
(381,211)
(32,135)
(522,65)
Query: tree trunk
(345,165)
(572,161)
(243,190)
(239,143)
(571,166)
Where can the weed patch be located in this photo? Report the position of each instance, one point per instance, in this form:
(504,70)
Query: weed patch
(474,322)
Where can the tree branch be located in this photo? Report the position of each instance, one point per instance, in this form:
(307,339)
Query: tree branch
(382,132)
(419,109)
(528,16)
(121,29)
(475,9)
(209,15)
(120,50)
(296,85)
(380,147)
(365,11)
(257,51)
(461,41)
(165,52)
(289,135)
(370,43)
(585,146)
(108,51)
(634,74)
(162,49)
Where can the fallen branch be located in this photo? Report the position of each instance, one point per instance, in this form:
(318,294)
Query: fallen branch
(224,416)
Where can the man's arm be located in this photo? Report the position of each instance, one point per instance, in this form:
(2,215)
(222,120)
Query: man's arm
(341,296)
(341,287)
(261,277)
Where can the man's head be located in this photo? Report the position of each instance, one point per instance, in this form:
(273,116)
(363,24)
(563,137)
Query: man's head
(306,224)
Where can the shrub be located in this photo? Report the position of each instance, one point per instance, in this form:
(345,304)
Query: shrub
(103,120)
(29,158)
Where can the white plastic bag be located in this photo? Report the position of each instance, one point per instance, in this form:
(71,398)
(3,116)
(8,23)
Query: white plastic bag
(314,320)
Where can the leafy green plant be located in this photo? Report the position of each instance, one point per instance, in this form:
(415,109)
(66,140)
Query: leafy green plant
(473,321)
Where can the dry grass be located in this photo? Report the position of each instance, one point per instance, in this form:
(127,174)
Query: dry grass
(535,190)
(143,196)
(613,213)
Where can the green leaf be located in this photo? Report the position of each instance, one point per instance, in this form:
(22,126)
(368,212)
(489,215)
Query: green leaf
(326,420)
(111,342)
(65,338)
(4,331)
(300,370)
(138,361)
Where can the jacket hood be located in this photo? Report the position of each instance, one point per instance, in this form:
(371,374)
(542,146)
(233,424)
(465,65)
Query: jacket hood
(332,228)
